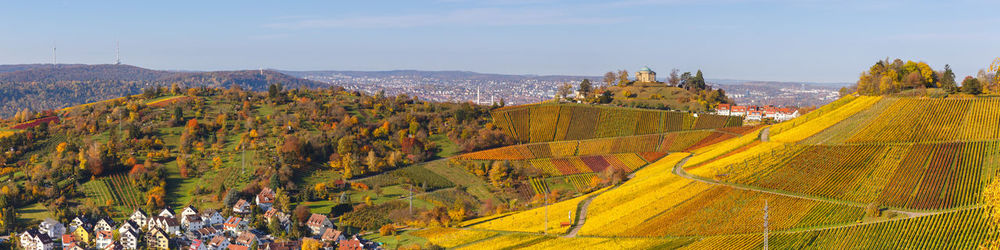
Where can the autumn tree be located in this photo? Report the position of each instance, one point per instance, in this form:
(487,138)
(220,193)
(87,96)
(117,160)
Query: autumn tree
(609,78)
(565,89)
(971,86)
(623,77)
(674,79)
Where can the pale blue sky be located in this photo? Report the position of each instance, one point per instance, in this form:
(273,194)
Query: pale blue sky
(813,40)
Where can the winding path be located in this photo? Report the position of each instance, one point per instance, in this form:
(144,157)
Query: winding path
(679,171)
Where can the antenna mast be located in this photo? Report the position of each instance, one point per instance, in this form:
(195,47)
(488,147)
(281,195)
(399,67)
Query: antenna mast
(118,58)
(53,54)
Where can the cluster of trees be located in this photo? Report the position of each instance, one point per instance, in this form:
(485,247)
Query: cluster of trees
(886,77)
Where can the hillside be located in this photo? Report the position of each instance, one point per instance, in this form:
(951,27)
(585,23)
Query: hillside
(656,95)
(348,155)
(862,172)
(43,87)
(556,122)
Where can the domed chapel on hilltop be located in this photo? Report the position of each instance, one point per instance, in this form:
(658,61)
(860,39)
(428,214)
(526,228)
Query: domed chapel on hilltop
(645,75)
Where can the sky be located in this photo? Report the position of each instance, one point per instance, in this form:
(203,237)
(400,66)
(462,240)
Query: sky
(777,40)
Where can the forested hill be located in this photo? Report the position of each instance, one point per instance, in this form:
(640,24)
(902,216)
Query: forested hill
(42,87)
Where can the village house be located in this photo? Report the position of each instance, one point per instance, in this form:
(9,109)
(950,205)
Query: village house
(241,207)
(332,235)
(81,234)
(207,233)
(351,244)
(218,243)
(167,224)
(67,240)
(191,223)
(139,217)
(317,223)
(52,228)
(756,113)
(167,212)
(104,224)
(103,239)
(188,211)
(35,240)
(129,226)
(212,217)
(80,221)
(129,239)
(158,239)
(265,199)
(197,244)
(276,214)
(234,224)
(247,239)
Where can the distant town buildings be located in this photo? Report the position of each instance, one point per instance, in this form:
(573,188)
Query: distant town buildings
(757,113)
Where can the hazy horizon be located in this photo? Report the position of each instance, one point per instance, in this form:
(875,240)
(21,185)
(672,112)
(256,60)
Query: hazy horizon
(789,41)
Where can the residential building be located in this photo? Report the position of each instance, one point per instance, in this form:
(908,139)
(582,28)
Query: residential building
(219,242)
(103,239)
(104,224)
(129,239)
(52,228)
(241,207)
(139,217)
(265,199)
(158,239)
(317,223)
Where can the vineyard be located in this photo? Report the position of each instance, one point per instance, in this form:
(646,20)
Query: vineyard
(667,142)
(559,122)
(656,204)
(863,172)
(533,220)
(117,189)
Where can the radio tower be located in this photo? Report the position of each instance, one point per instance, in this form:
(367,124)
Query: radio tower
(118,58)
(766,228)
(53,55)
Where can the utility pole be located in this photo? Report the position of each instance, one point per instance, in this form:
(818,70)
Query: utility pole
(545,231)
(411,198)
(766,228)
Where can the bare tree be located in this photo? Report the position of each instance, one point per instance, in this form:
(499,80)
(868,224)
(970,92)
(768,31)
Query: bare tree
(623,77)
(609,78)
(674,77)
(565,89)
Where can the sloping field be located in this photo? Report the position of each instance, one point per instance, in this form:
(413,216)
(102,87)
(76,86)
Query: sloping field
(558,122)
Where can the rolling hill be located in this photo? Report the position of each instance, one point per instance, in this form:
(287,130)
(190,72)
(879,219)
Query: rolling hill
(42,87)
(863,172)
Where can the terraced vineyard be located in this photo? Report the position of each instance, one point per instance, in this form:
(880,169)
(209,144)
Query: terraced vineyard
(666,142)
(860,173)
(557,122)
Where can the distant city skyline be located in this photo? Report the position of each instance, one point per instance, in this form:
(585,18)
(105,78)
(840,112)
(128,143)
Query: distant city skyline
(776,40)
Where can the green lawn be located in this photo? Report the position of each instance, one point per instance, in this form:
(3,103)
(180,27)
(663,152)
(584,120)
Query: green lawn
(474,185)
(448,148)
(396,241)
(32,214)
